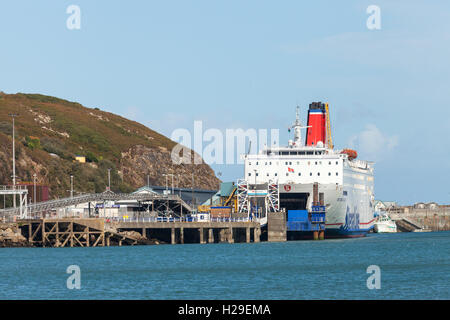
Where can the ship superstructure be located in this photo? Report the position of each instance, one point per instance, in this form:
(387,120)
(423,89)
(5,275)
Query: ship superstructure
(346,184)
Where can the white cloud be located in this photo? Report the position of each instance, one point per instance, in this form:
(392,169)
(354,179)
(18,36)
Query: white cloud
(372,144)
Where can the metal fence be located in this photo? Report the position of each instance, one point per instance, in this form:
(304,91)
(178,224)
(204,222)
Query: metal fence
(180,219)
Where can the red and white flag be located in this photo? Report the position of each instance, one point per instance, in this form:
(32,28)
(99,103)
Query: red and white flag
(290,169)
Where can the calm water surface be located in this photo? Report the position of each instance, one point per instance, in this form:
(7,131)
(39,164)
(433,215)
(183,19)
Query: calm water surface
(413,266)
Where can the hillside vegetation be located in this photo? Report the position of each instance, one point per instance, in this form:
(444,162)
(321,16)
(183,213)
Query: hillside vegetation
(51,132)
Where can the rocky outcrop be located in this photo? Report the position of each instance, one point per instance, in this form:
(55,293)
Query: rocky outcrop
(140,161)
(10,236)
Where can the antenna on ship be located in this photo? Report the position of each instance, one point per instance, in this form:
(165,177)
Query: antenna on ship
(249,147)
(297,126)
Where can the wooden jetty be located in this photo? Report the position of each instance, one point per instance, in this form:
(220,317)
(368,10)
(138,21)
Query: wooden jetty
(94,232)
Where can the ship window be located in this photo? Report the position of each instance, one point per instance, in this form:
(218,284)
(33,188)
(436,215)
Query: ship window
(309,152)
(310,173)
(329,162)
(290,163)
(345,193)
(287,174)
(267,174)
(302,153)
(257,174)
(270,163)
(249,174)
(318,173)
(336,173)
(256,162)
(336,162)
(298,162)
(265,163)
(276,174)
(249,163)
(315,163)
(329,173)
(299,174)
(286,163)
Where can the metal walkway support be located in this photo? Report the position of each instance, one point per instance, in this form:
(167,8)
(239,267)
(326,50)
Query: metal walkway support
(273,197)
(242,196)
(22,192)
(266,194)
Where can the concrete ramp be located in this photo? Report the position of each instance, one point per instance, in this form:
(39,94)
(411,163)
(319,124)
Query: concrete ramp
(408,225)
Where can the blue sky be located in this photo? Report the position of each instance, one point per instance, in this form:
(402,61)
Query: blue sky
(247,64)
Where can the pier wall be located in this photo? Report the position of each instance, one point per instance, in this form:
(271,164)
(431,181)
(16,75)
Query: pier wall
(434,219)
(276,227)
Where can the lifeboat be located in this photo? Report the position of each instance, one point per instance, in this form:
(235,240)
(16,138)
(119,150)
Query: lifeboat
(352,154)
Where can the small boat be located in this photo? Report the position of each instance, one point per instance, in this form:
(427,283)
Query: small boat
(384,224)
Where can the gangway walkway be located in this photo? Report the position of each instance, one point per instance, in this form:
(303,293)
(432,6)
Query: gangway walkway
(94,197)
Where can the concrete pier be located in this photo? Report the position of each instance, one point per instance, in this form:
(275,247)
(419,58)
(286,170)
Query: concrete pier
(210,235)
(182,235)
(276,227)
(201,232)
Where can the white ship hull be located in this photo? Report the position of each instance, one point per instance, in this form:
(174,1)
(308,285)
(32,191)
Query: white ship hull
(383,227)
(347,215)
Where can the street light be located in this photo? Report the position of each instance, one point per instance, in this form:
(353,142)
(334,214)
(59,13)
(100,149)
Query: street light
(178,184)
(34,190)
(167,182)
(71,186)
(192,189)
(13,116)
(109,179)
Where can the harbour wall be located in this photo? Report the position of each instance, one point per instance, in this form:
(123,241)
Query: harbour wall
(434,219)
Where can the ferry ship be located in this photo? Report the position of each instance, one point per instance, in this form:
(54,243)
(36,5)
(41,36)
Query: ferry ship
(346,184)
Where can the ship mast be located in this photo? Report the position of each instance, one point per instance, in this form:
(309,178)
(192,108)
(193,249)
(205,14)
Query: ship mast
(297,126)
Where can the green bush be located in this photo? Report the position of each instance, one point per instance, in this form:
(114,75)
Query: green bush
(90,157)
(33,143)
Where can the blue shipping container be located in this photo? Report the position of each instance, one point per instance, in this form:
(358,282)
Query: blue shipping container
(297,215)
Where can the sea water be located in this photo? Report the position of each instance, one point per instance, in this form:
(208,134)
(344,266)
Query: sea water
(411,265)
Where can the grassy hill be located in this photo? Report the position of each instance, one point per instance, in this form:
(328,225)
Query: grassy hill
(51,132)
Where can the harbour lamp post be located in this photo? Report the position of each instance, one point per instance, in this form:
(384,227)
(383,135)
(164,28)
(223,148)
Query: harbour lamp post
(165,175)
(13,116)
(34,188)
(109,179)
(167,180)
(179,192)
(172,181)
(71,186)
(178,184)
(192,189)
(254,200)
